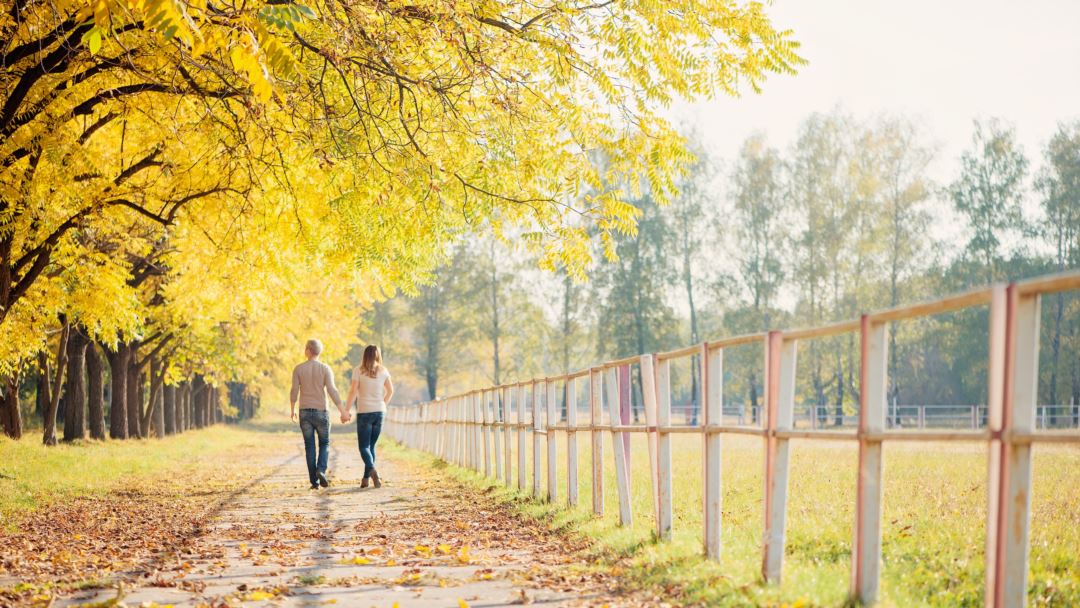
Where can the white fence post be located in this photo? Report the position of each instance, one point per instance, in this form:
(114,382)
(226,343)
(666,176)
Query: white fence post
(596,397)
(485,418)
(552,419)
(508,437)
(463,431)
(538,451)
(994,424)
(571,442)
(451,430)
(521,403)
(866,551)
(479,449)
(471,432)
(712,374)
(1020,391)
(663,415)
(780,395)
(622,476)
(649,396)
(496,431)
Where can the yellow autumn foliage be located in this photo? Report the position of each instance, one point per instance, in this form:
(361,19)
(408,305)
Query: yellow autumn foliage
(241,177)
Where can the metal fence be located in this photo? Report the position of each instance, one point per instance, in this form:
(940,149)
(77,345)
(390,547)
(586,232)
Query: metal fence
(475,430)
(898,416)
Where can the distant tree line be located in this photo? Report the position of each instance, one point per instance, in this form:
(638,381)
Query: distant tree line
(846,220)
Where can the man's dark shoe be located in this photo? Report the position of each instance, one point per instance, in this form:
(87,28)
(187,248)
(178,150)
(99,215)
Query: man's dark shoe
(314,486)
(323,481)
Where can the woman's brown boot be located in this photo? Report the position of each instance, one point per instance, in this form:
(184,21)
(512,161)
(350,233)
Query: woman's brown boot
(364,483)
(375,478)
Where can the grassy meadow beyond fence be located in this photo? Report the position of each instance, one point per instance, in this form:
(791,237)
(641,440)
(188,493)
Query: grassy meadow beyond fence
(933,528)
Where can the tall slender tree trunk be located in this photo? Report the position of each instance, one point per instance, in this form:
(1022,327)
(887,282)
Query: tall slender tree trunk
(184,421)
(75,395)
(118,366)
(134,394)
(198,393)
(53,386)
(169,409)
(95,384)
(153,419)
(159,412)
(753,398)
(688,282)
(10,414)
(496,329)
(40,395)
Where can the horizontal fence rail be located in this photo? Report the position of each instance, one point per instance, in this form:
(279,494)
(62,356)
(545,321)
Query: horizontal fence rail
(471,429)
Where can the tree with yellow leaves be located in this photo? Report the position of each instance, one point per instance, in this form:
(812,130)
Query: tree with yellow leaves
(146,142)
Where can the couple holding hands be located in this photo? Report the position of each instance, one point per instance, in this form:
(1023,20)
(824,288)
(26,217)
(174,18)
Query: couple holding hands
(371,389)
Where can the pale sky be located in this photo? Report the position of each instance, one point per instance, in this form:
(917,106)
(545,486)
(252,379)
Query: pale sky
(941,62)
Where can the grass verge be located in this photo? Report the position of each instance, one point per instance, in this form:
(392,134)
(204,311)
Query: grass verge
(933,525)
(33,476)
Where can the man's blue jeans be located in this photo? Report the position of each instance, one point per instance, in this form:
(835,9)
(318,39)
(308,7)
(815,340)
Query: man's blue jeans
(368,427)
(315,422)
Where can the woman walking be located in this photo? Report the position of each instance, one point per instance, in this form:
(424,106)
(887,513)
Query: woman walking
(372,389)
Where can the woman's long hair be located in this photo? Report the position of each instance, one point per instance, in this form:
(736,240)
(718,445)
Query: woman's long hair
(372,361)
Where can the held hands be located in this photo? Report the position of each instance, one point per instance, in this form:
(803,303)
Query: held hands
(346,416)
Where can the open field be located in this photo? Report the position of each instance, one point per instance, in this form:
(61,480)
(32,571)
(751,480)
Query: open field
(933,524)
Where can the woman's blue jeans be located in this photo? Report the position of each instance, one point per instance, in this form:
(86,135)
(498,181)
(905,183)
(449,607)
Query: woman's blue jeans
(312,423)
(368,427)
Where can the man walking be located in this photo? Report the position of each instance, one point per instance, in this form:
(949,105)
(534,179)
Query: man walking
(312,380)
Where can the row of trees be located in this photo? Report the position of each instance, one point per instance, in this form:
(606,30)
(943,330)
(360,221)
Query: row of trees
(845,220)
(188,190)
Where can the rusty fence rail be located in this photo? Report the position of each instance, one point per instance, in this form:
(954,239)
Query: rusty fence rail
(475,430)
(899,416)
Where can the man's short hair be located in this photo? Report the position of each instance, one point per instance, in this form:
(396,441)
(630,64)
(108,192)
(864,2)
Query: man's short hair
(314,347)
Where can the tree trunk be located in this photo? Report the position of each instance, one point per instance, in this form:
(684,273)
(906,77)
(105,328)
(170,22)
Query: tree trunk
(753,398)
(495,328)
(153,419)
(134,394)
(183,415)
(169,406)
(158,418)
(95,403)
(688,282)
(53,386)
(1055,354)
(839,385)
(198,394)
(118,366)
(39,396)
(10,414)
(75,394)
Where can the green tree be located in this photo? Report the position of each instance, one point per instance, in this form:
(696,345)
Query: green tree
(903,159)
(1059,184)
(989,194)
(633,316)
(819,190)
(761,234)
(441,327)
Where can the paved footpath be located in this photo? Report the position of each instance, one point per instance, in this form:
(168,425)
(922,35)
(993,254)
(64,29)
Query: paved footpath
(420,540)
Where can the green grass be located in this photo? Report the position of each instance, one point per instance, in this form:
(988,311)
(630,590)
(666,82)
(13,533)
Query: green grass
(33,476)
(933,526)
